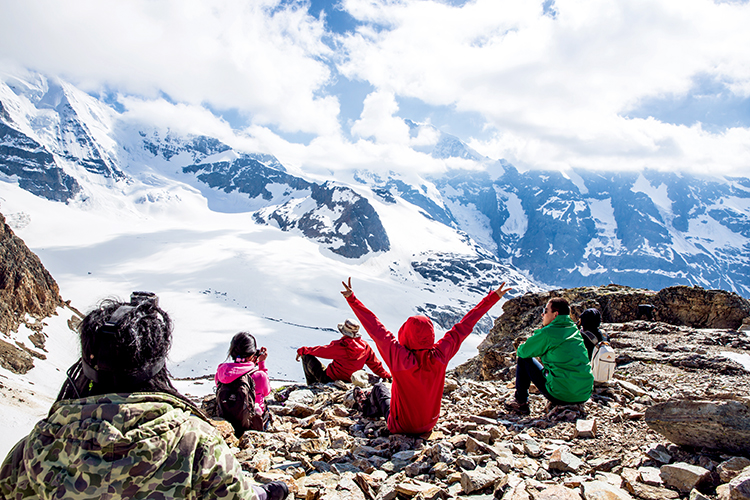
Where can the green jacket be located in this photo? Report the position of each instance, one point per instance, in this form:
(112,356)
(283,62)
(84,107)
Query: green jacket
(566,362)
(142,445)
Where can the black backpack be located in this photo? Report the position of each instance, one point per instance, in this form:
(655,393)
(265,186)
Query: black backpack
(235,402)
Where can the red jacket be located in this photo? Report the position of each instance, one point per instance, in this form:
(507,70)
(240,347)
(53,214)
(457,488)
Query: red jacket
(348,355)
(417,363)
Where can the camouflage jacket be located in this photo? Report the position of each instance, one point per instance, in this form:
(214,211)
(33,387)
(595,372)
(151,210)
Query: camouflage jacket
(142,445)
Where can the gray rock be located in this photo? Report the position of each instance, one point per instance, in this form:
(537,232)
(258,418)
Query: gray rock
(683,477)
(659,453)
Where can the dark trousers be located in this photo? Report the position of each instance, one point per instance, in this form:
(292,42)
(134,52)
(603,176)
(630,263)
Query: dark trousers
(527,372)
(314,371)
(378,403)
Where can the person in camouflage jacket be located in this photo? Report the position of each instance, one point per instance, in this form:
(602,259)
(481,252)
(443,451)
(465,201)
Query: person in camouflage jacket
(123,446)
(119,428)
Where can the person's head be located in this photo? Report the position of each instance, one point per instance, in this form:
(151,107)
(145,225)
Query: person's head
(242,347)
(590,320)
(350,328)
(417,333)
(124,346)
(555,306)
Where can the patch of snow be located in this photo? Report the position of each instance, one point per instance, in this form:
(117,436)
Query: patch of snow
(473,222)
(517,222)
(743,359)
(659,195)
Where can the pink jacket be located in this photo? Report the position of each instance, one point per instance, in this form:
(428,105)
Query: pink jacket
(229,372)
(417,363)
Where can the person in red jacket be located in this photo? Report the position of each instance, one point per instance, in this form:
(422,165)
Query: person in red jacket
(416,361)
(349,354)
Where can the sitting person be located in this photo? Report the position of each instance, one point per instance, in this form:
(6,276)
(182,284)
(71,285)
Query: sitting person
(119,428)
(350,353)
(417,363)
(565,375)
(248,377)
(588,323)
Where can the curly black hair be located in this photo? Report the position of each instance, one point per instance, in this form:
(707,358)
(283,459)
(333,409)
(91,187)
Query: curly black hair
(123,349)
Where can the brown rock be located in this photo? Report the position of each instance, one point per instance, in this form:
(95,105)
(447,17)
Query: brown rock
(739,487)
(25,285)
(731,468)
(563,460)
(557,492)
(600,490)
(585,429)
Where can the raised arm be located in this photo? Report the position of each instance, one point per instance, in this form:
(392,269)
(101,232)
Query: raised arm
(450,343)
(395,356)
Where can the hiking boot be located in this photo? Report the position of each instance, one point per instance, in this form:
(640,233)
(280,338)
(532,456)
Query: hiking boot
(276,490)
(519,408)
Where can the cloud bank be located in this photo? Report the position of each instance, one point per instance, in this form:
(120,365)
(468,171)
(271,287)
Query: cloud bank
(573,83)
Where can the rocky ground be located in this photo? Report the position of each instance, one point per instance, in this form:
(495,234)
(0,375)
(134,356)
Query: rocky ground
(324,449)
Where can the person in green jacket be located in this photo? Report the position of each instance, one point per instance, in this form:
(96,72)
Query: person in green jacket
(564,376)
(119,428)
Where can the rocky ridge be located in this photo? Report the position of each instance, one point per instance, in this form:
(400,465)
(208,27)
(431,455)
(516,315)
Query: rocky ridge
(28,294)
(679,306)
(603,449)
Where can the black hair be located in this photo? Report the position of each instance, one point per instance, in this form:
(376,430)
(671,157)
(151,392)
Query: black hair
(242,346)
(123,350)
(559,305)
(590,320)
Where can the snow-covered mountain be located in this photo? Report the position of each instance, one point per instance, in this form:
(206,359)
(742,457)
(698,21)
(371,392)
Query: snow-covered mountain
(647,229)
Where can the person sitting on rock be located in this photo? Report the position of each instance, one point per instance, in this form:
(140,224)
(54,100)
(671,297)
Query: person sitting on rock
(119,428)
(350,353)
(565,376)
(247,371)
(417,362)
(588,323)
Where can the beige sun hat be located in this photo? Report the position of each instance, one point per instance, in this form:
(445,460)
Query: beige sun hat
(350,328)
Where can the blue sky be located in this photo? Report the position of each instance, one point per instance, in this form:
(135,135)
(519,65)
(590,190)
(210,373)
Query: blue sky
(544,84)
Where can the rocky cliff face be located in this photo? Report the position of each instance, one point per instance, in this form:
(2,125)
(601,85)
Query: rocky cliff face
(28,294)
(678,306)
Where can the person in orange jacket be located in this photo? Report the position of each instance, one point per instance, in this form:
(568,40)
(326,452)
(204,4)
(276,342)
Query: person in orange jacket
(416,361)
(350,353)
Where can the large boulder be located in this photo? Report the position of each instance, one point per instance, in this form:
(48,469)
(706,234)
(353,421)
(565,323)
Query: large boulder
(678,305)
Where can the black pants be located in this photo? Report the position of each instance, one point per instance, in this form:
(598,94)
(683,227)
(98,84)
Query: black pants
(526,373)
(378,403)
(314,371)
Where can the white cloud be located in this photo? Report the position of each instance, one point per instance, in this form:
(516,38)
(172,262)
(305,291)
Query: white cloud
(377,120)
(555,90)
(257,56)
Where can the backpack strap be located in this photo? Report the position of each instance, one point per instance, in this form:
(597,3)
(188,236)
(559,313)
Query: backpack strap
(591,336)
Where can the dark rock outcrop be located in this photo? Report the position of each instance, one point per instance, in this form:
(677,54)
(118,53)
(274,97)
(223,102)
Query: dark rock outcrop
(691,307)
(26,290)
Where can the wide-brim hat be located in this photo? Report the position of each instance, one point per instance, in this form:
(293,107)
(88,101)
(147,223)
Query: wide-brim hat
(350,328)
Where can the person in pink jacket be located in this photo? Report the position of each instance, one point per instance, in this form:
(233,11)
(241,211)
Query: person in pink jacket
(416,361)
(350,353)
(247,359)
